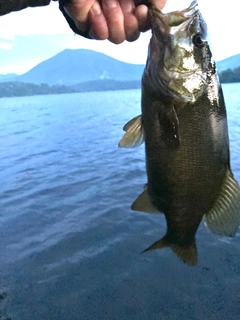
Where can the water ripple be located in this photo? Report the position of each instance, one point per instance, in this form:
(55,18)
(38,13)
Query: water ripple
(70,245)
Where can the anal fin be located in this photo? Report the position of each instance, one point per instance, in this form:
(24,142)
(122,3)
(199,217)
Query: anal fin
(134,135)
(144,204)
(224,218)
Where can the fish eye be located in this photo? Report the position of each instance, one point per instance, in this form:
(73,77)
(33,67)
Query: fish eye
(197,40)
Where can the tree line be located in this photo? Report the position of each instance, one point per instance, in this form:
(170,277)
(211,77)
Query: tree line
(20,89)
(229,75)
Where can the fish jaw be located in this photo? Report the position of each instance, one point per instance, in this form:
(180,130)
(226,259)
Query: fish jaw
(179,55)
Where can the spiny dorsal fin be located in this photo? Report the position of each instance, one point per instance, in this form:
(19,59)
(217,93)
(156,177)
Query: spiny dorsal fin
(143,203)
(187,253)
(134,135)
(224,218)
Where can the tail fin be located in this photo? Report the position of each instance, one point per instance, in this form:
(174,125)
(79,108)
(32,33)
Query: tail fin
(224,218)
(187,253)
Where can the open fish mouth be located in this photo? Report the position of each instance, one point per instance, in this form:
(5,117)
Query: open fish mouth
(175,72)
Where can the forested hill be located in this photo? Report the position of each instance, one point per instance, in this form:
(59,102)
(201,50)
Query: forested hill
(229,75)
(71,67)
(229,63)
(85,70)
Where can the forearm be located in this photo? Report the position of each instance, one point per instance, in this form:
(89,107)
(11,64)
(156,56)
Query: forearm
(7,6)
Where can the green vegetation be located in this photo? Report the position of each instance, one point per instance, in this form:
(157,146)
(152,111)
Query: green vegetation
(229,76)
(20,89)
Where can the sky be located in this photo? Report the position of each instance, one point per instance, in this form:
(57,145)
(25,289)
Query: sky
(36,34)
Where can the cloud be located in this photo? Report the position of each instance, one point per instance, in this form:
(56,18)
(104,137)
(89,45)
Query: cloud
(133,52)
(32,21)
(223,22)
(5,45)
(36,34)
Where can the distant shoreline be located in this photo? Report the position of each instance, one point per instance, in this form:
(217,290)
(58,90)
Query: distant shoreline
(13,89)
(21,89)
(230,76)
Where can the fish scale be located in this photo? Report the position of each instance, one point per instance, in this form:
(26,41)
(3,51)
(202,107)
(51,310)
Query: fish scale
(184,126)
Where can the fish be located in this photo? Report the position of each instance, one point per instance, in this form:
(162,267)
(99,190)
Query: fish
(184,126)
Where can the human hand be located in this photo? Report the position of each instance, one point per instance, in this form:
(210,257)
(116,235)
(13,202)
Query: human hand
(115,20)
(16,5)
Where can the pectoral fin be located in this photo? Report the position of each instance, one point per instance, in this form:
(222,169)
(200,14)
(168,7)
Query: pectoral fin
(134,135)
(132,122)
(169,126)
(224,218)
(187,253)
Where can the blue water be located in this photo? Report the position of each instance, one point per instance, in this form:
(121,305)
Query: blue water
(69,243)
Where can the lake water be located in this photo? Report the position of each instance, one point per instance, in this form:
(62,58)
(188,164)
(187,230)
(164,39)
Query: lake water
(70,244)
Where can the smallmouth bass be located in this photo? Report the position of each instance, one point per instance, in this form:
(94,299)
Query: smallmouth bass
(184,126)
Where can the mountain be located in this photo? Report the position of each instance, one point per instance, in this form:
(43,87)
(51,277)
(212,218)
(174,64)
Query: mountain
(229,63)
(71,67)
(7,77)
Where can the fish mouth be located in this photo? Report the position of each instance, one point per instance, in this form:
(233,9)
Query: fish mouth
(176,72)
(176,18)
